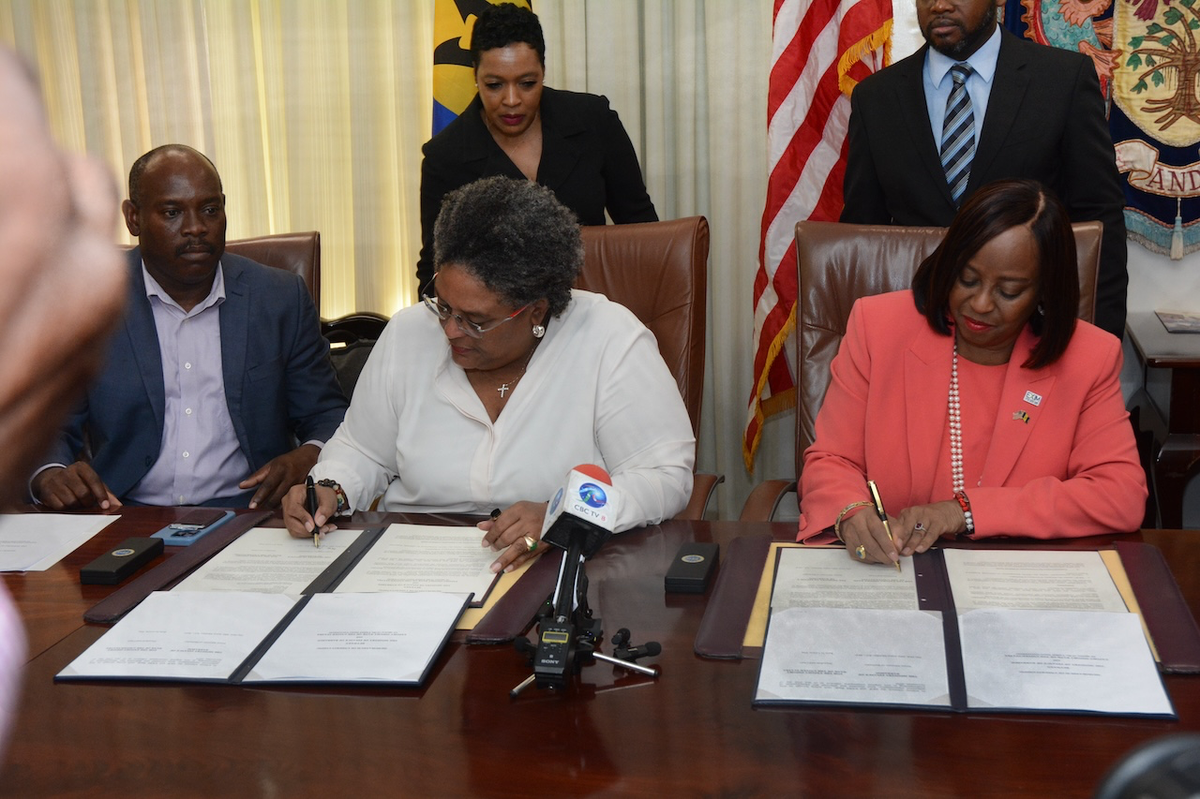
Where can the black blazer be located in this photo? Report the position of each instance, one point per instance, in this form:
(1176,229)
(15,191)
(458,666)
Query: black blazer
(1045,120)
(588,162)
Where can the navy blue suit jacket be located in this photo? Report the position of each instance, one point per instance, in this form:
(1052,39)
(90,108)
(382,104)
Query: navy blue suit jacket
(1045,121)
(279,383)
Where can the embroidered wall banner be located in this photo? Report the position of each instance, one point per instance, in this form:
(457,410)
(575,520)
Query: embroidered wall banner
(1147,55)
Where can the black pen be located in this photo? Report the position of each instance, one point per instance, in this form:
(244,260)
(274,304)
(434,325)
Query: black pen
(879,511)
(311,488)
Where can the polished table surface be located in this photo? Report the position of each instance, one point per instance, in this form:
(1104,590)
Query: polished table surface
(691,732)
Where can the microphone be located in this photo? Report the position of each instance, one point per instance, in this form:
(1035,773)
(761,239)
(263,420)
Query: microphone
(623,651)
(580,518)
(647,650)
(585,508)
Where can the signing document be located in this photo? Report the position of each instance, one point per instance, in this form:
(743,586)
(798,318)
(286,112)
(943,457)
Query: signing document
(1029,580)
(412,557)
(233,637)
(268,560)
(1003,630)
(182,636)
(843,632)
(385,637)
(36,541)
(1049,630)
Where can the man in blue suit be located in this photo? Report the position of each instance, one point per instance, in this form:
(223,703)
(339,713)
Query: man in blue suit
(218,372)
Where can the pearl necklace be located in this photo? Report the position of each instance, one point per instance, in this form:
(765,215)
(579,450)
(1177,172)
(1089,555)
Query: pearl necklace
(956,448)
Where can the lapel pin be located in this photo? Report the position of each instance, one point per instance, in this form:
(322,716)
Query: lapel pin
(1021,416)
(1033,399)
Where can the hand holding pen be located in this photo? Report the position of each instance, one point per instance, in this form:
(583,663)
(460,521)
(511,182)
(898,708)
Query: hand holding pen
(310,491)
(866,531)
(303,504)
(883,518)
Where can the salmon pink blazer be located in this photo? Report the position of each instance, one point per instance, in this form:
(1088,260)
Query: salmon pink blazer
(1070,468)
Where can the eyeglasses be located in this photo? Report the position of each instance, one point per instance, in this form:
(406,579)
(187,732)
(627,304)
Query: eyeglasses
(444,314)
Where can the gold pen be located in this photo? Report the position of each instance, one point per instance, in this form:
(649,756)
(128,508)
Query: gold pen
(881,513)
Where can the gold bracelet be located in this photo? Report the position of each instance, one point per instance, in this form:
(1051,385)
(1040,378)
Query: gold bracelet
(837,526)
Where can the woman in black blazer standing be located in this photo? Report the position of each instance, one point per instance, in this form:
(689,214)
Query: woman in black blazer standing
(572,143)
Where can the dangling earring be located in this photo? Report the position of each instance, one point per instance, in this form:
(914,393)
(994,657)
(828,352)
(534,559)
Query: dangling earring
(538,331)
(1041,311)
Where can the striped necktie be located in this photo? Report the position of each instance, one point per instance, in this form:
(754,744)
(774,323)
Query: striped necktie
(958,134)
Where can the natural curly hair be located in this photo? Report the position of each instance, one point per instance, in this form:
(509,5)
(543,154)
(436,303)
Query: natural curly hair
(505,24)
(514,236)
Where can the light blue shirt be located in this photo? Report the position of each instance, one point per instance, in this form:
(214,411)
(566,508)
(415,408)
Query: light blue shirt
(937,82)
(200,458)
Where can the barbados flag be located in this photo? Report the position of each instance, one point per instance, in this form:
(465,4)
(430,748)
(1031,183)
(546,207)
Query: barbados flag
(453,78)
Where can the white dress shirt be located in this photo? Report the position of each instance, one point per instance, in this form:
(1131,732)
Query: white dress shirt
(200,458)
(595,391)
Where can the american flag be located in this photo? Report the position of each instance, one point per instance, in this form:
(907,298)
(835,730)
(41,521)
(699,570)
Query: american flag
(820,50)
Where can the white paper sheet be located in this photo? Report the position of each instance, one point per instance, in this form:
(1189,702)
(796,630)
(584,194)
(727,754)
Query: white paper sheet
(856,656)
(268,560)
(1059,660)
(827,578)
(182,636)
(390,637)
(36,541)
(1031,580)
(410,557)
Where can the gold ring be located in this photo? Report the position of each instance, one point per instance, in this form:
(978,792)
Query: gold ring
(531,543)
(861,551)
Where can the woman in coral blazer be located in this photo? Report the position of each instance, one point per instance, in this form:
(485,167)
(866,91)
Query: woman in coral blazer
(977,402)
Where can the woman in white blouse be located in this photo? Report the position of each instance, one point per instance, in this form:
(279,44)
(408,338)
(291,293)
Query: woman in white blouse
(506,379)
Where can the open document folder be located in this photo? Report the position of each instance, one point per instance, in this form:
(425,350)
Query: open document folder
(979,630)
(231,637)
(402,557)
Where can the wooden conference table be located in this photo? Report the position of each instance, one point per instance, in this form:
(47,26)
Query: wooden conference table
(691,732)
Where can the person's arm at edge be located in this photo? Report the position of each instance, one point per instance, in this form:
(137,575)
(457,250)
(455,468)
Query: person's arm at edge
(642,429)
(316,405)
(834,473)
(361,454)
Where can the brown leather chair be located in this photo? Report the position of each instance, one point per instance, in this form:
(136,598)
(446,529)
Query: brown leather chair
(839,263)
(659,270)
(298,253)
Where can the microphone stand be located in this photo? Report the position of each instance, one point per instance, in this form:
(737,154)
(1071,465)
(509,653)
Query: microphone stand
(569,635)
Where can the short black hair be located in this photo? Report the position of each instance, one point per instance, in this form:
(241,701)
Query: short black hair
(505,24)
(139,168)
(514,236)
(995,208)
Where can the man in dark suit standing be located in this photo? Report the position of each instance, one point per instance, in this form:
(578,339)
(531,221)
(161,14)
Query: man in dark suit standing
(216,375)
(1029,111)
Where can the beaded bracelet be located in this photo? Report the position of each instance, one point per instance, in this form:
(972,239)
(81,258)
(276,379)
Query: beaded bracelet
(837,526)
(343,503)
(965,504)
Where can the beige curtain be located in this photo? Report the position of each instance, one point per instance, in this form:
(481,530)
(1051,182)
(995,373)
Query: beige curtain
(315,111)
